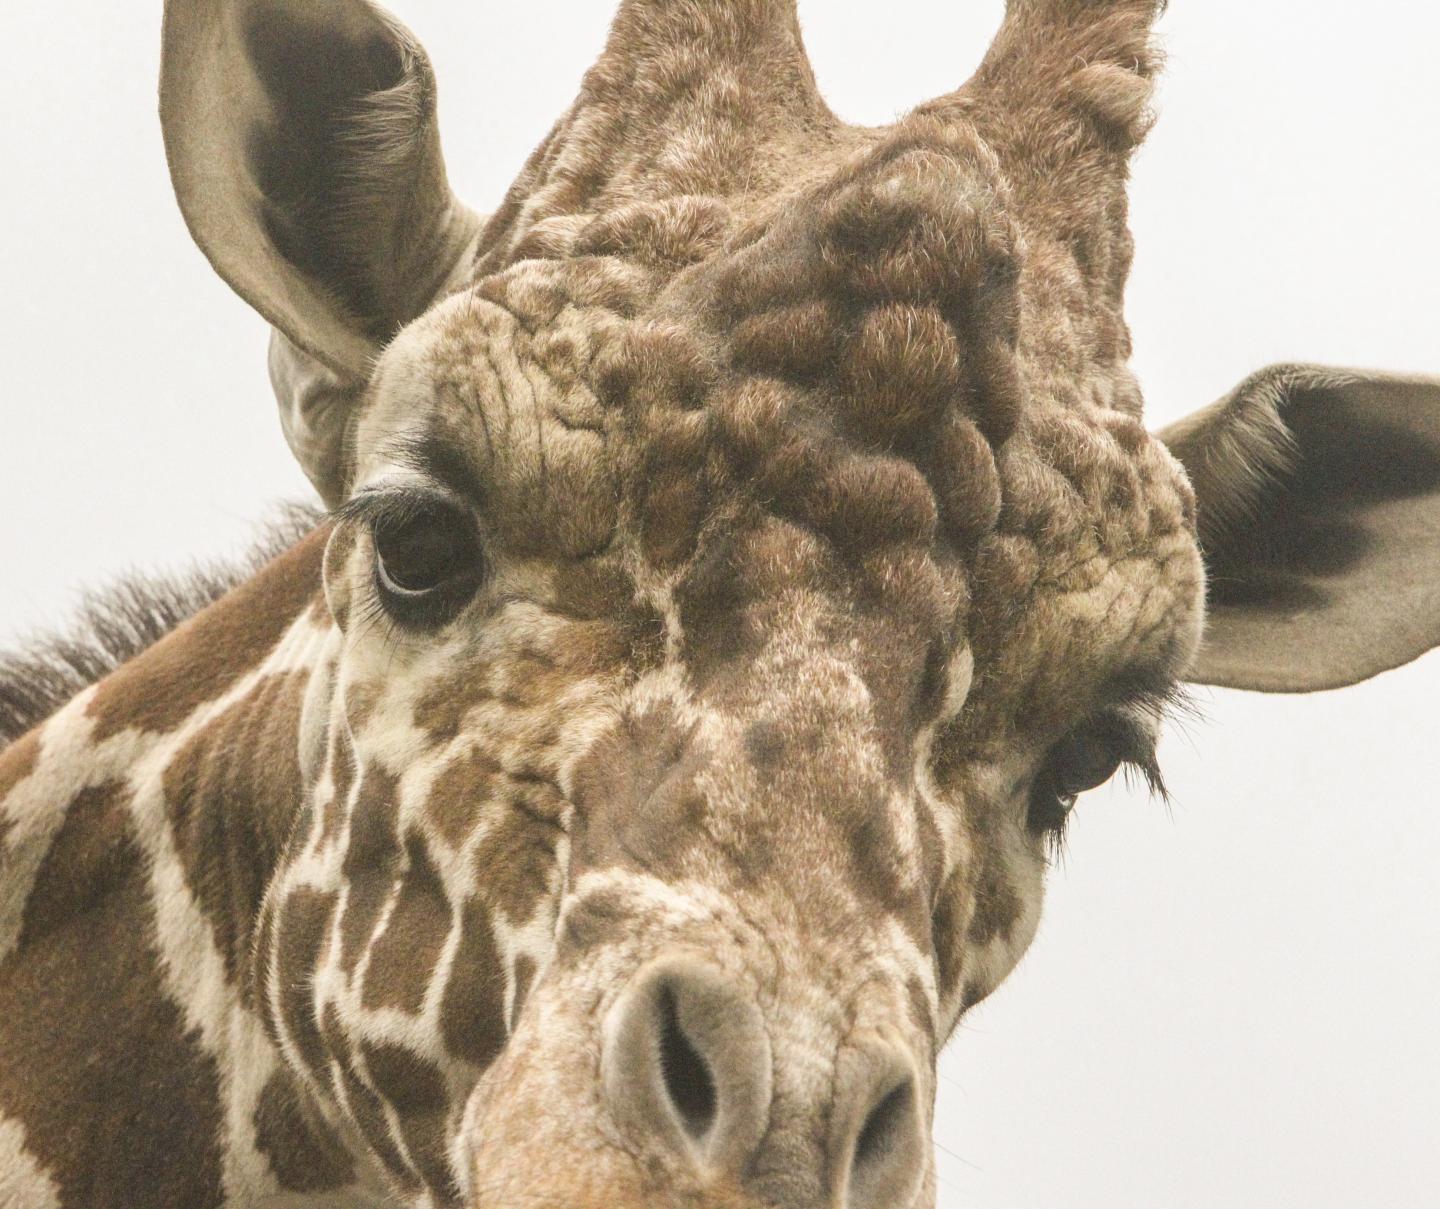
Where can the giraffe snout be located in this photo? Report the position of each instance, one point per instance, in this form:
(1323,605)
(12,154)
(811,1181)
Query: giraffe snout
(698,1088)
(688,1062)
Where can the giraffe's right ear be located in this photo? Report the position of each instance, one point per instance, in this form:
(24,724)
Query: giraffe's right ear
(305,155)
(1318,500)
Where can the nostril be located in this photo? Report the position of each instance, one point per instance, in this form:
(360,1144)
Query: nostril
(687,1076)
(882,1131)
(685,1064)
(887,1153)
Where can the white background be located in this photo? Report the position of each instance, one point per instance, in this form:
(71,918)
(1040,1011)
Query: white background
(1234,1004)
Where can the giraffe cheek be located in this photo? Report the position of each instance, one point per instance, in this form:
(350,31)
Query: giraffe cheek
(999,934)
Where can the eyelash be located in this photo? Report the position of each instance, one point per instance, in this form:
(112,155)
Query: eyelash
(376,505)
(1129,735)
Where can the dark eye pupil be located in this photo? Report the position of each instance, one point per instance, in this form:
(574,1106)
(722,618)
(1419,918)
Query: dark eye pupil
(420,554)
(428,560)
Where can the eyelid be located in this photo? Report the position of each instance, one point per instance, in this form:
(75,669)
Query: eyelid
(1139,732)
(1142,702)
(1136,736)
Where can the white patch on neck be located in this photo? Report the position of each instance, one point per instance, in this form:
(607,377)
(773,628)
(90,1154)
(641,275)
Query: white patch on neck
(23,1182)
(194,971)
(37,805)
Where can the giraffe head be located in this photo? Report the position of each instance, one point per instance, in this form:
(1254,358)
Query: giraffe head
(746,549)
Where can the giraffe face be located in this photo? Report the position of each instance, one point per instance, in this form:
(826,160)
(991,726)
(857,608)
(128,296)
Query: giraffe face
(710,678)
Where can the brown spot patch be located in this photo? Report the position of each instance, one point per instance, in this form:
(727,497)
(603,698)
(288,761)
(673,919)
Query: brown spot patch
(404,957)
(997,906)
(118,1101)
(902,371)
(361,700)
(472,1014)
(442,707)
(515,863)
(17,762)
(966,481)
(947,934)
(460,793)
(304,1154)
(302,925)
(657,367)
(593,591)
(232,795)
(717,592)
(415,1089)
(876,870)
(765,744)
(865,503)
(800,342)
(672,509)
(204,656)
(372,863)
(366,1108)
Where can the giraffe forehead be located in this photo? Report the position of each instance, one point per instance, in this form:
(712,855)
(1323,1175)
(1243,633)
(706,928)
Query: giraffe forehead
(731,484)
(847,391)
(1069,539)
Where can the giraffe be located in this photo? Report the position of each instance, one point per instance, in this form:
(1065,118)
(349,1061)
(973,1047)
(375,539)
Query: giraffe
(744,548)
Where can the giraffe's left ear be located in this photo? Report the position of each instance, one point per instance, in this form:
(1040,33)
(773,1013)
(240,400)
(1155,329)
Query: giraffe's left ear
(305,155)
(1318,497)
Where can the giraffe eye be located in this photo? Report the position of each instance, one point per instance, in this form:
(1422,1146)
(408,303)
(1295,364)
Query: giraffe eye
(428,559)
(1083,760)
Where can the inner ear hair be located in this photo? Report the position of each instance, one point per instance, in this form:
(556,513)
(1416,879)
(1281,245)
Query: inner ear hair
(1239,449)
(343,161)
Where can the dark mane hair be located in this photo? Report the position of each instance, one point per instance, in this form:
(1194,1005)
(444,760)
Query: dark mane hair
(116,623)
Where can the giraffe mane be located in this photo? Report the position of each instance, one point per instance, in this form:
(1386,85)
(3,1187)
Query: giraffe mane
(115,623)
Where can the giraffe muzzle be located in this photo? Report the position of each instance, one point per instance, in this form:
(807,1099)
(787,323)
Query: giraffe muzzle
(696,1109)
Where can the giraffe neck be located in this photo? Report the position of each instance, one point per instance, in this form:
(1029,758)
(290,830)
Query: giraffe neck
(138,829)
